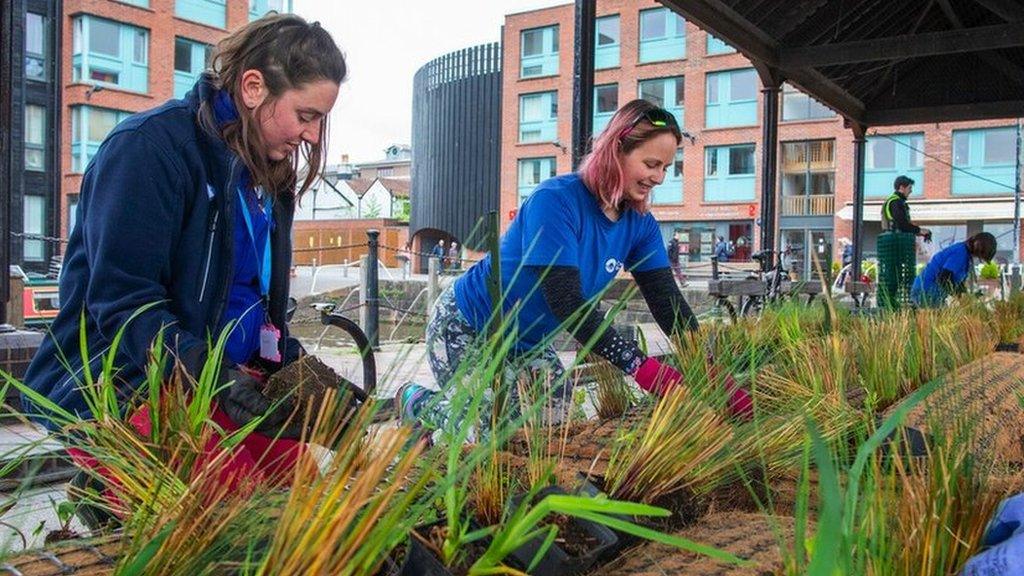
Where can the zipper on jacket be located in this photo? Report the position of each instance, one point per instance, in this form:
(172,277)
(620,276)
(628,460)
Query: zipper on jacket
(229,218)
(209,254)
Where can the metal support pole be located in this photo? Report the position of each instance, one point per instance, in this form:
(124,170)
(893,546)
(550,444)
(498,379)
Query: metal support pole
(433,288)
(583,79)
(859,149)
(372,290)
(6,161)
(1016,203)
(494,281)
(769,167)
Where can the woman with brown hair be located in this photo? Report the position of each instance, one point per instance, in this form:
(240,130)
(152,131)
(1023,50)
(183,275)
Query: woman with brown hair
(184,226)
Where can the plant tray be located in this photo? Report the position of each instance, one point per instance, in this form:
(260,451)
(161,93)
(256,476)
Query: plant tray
(93,557)
(987,392)
(754,537)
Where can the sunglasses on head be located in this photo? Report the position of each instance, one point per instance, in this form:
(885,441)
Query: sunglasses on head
(657,117)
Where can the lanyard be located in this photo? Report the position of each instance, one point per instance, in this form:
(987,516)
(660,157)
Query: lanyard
(262,263)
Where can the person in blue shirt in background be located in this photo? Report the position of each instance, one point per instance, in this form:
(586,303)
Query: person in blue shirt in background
(566,244)
(947,271)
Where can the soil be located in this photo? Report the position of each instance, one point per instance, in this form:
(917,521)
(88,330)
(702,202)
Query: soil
(310,379)
(588,443)
(94,557)
(986,393)
(754,537)
(572,538)
(432,537)
(683,505)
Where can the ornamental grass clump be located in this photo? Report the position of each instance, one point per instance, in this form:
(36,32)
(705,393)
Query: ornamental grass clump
(670,452)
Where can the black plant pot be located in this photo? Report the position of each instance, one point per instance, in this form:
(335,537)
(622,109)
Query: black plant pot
(1008,347)
(557,561)
(593,486)
(421,561)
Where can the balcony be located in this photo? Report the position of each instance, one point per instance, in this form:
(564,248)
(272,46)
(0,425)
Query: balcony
(809,205)
(815,157)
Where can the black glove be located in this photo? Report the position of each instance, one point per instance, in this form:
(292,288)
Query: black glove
(243,402)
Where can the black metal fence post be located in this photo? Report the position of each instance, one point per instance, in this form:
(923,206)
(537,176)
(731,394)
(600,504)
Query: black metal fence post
(372,289)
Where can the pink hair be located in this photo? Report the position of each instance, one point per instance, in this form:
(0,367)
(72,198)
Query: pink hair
(601,170)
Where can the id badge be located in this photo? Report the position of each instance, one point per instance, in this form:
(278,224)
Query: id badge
(270,336)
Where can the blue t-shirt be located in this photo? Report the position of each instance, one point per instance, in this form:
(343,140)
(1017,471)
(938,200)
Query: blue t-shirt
(560,224)
(244,298)
(956,259)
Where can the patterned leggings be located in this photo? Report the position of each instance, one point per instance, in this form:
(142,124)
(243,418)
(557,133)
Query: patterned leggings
(452,340)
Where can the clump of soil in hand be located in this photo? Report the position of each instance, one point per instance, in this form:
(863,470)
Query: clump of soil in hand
(305,383)
(306,378)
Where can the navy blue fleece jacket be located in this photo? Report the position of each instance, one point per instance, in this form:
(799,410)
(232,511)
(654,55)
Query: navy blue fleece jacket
(154,228)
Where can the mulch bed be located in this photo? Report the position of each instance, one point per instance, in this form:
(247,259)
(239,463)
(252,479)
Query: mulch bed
(94,557)
(986,391)
(754,537)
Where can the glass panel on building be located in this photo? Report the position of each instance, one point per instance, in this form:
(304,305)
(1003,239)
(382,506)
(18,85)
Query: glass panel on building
(182,55)
(104,37)
(1000,146)
(35,46)
(35,137)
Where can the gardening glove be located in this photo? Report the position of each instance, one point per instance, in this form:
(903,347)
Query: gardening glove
(655,377)
(740,403)
(240,398)
(1006,522)
(1005,559)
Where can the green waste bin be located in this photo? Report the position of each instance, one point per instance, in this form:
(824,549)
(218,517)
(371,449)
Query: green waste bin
(897,261)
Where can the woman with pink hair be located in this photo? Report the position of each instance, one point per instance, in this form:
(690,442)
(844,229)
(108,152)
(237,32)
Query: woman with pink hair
(567,242)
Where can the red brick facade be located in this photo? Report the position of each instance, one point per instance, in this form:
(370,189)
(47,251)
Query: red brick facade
(163,27)
(938,137)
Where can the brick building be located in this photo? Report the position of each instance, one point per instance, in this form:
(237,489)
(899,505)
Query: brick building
(127,56)
(965,172)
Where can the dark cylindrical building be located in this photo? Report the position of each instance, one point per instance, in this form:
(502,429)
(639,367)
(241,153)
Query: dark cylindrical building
(456,143)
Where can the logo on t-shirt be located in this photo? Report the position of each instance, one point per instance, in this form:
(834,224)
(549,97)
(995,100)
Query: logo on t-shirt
(612,266)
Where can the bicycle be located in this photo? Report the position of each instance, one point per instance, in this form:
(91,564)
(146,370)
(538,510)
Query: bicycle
(772,277)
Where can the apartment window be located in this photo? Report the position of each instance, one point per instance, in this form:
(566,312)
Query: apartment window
(985,159)
(662,35)
(729,173)
(533,171)
(35,46)
(539,52)
(259,8)
(538,117)
(808,169)
(606,50)
(89,128)
(385,171)
(667,93)
(606,102)
(731,98)
(110,53)
(799,106)
(190,59)
(35,138)
(892,155)
(34,223)
(209,12)
(716,46)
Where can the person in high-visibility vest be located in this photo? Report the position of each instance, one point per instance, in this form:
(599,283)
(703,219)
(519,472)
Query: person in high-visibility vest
(896,212)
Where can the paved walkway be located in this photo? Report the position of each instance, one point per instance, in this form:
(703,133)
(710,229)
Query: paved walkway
(400,363)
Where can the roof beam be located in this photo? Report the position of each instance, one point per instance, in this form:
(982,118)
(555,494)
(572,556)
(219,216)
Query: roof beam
(947,113)
(1008,10)
(907,46)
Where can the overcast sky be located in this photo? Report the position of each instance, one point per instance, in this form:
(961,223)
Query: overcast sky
(385,42)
